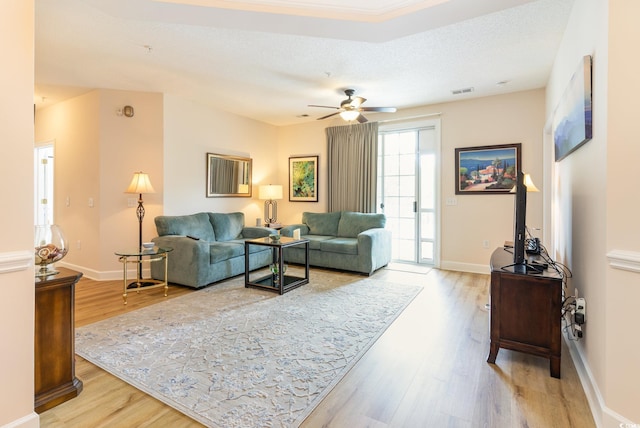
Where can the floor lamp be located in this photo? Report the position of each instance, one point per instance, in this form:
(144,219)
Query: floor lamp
(140,184)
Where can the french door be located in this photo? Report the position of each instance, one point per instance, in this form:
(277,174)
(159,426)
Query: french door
(408,191)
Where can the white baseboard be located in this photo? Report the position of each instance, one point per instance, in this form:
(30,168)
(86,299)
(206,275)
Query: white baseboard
(32,420)
(112,275)
(465,267)
(602,415)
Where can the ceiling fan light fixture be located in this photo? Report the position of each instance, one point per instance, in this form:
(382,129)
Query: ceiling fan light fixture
(349,115)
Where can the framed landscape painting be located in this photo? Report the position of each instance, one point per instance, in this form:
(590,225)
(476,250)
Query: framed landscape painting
(487,169)
(303,179)
(572,120)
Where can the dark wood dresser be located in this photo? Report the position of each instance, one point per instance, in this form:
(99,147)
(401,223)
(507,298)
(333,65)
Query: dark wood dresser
(526,310)
(55,379)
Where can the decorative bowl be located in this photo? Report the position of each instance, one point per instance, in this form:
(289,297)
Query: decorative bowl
(148,245)
(274,237)
(50,247)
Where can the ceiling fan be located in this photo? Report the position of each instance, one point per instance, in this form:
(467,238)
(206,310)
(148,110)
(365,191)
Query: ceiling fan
(351,107)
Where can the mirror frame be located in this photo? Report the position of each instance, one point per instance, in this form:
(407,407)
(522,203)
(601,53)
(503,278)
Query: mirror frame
(244,171)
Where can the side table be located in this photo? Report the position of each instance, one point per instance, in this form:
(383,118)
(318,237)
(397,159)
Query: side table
(54,340)
(145,256)
(280,283)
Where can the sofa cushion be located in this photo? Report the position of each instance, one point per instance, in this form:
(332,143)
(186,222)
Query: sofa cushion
(352,223)
(221,251)
(227,226)
(315,241)
(252,248)
(322,223)
(340,245)
(196,225)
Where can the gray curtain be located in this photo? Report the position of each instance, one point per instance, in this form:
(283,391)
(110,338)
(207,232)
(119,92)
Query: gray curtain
(353,167)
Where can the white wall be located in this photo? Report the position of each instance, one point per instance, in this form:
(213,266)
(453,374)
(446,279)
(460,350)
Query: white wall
(503,119)
(594,203)
(16,217)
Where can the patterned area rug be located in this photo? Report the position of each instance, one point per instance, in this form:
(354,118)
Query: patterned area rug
(230,356)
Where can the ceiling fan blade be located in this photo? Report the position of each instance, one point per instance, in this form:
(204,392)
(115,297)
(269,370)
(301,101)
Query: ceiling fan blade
(313,105)
(379,109)
(329,115)
(357,102)
(362,119)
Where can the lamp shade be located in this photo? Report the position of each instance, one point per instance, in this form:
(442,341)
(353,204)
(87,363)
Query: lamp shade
(270,191)
(140,184)
(529,183)
(349,115)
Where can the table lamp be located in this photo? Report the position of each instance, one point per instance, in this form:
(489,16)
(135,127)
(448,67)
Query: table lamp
(140,184)
(270,193)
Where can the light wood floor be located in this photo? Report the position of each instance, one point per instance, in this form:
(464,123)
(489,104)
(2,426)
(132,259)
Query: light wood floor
(428,369)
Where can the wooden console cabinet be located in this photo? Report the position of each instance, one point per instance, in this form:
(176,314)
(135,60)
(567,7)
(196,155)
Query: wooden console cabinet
(526,311)
(55,379)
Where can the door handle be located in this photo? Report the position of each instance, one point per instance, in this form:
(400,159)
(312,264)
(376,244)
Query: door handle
(415,206)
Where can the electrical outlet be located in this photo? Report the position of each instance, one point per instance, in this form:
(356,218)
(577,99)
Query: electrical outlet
(451,201)
(131,202)
(485,243)
(78,245)
(575,292)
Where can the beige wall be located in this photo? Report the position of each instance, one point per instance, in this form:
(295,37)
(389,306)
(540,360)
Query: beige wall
(623,208)
(596,205)
(504,119)
(97,151)
(191,130)
(16,217)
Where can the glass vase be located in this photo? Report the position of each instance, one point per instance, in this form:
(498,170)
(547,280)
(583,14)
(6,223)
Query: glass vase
(50,247)
(275,271)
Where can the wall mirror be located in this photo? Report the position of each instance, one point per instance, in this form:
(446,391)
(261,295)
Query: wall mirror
(228,176)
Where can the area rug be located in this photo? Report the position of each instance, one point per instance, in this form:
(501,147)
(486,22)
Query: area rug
(229,356)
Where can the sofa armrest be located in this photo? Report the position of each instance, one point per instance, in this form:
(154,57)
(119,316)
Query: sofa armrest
(375,245)
(288,230)
(251,232)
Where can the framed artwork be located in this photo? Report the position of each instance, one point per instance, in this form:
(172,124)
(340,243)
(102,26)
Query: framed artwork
(303,179)
(487,169)
(572,120)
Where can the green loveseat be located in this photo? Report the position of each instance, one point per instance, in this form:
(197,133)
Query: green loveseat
(216,254)
(342,240)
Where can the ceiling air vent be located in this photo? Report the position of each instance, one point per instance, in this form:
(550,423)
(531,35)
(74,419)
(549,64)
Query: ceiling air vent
(462,91)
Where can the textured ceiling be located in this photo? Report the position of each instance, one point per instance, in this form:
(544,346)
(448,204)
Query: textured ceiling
(269,66)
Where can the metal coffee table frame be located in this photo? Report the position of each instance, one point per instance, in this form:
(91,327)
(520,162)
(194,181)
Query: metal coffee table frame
(268,282)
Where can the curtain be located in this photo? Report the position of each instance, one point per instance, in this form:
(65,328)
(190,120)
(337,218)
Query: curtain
(353,167)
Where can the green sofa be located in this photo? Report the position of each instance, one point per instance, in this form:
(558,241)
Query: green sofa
(342,240)
(217,254)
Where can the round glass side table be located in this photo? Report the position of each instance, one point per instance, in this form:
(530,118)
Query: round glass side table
(138,257)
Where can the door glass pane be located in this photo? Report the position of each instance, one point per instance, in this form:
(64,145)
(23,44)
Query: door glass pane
(427,181)
(427,225)
(427,250)
(43,182)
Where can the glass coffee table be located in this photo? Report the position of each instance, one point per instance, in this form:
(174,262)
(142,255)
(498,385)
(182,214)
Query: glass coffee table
(147,255)
(277,280)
